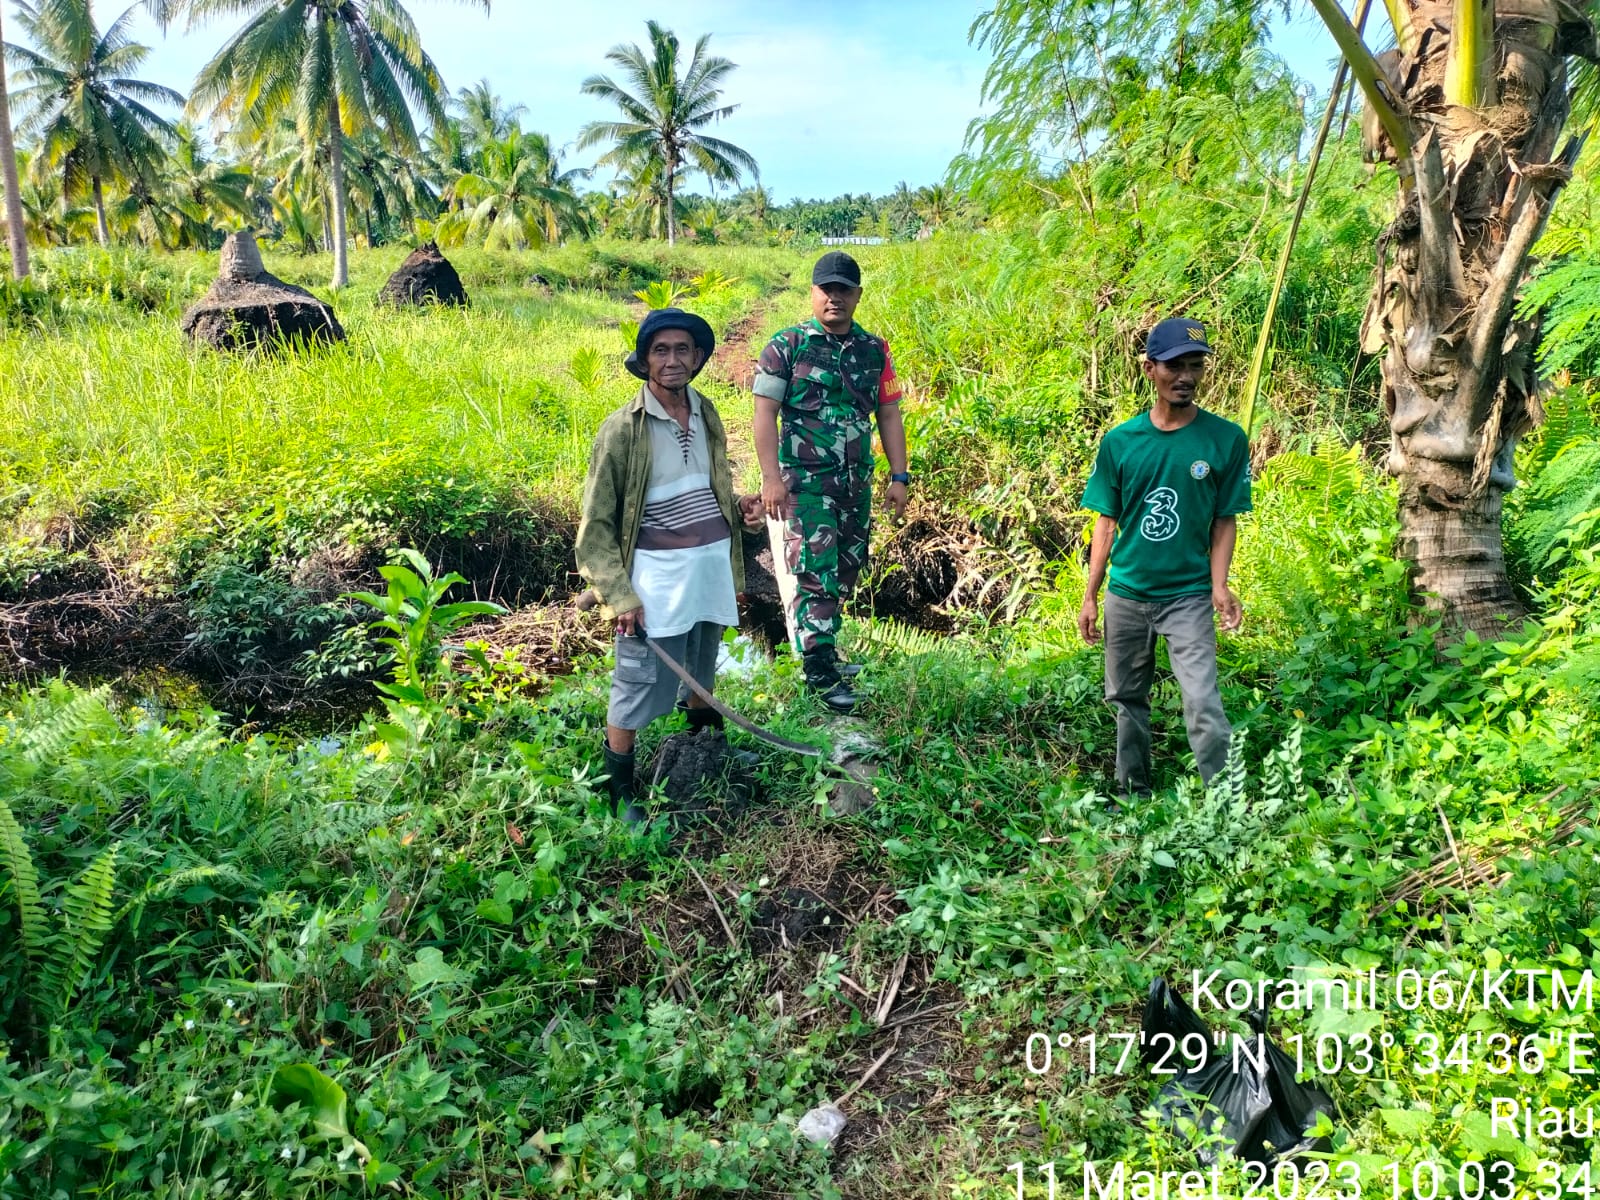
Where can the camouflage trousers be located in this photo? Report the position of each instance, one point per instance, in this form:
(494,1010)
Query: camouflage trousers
(825,547)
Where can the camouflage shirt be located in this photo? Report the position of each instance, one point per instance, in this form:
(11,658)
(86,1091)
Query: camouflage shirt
(828,389)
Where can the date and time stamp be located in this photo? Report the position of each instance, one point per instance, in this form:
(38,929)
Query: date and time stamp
(1510,1057)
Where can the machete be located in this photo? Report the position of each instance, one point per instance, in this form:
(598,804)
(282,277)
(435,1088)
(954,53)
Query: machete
(749,726)
(588,598)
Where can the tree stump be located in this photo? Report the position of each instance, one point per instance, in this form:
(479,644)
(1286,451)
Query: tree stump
(426,277)
(248,307)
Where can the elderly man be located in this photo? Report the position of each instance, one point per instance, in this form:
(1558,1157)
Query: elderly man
(656,541)
(1168,485)
(819,386)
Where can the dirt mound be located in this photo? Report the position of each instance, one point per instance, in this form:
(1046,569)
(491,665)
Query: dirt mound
(697,773)
(426,277)
(935,564)
(248,307)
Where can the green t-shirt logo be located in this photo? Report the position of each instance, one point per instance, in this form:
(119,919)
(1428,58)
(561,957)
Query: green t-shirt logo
(1161,522)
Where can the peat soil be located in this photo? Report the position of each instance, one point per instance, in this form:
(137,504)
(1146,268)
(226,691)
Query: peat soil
(800,911)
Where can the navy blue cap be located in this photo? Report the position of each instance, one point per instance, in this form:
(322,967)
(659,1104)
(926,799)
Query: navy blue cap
(1175,337)
(836,267)
(660,319)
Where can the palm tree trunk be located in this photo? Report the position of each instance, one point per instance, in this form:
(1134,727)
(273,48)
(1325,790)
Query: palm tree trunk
(16,228)
(1450,533)
(102,230)
(341,263)
(1459,381)
(672,220)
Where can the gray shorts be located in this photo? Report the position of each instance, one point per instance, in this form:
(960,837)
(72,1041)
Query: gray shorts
(644,688)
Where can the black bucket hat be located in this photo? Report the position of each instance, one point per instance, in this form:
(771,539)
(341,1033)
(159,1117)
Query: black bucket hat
(661,319)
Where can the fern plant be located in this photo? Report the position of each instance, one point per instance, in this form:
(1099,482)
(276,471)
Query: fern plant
(59,952)
(18,862)
(1568,293)
(1334,473)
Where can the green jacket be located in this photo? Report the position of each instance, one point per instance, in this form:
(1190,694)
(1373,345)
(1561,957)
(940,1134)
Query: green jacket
(613,501)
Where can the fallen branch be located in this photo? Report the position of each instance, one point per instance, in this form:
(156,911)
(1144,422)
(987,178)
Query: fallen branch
(871,1071)
(891,991)
(1452,864)
(911,1018)
(855,987)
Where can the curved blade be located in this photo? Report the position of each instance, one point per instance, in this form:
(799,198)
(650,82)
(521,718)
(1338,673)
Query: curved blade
(772,739)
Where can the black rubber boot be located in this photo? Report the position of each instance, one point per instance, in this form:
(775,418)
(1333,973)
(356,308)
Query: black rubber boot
(623,788)
(822,677)
(710,718)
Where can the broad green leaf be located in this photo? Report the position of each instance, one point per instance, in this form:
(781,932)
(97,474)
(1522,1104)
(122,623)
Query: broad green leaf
(320,1096)
(495,910)
(430,970)
(1407,1122)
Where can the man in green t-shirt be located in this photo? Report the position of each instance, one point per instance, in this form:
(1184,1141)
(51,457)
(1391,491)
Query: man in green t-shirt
(1168,485)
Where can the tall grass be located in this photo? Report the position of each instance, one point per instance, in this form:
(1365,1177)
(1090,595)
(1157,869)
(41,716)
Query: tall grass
(111,401)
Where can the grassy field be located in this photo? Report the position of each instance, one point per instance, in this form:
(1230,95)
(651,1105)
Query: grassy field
(415,955)
(137,468)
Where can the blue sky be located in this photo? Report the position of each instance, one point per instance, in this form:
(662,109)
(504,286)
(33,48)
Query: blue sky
(834,95)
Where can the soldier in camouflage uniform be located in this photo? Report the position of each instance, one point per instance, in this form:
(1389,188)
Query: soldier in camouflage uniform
(819,386)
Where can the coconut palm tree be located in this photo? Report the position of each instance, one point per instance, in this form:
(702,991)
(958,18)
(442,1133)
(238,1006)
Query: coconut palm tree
(83,106)
(518,197)
(47,217)
(642,202)
(387,185)
(663,114)
(484,116)
(752,204)
(209,191)
(901,209)
(336,66)
(708,222)
(936,205)
(16,228)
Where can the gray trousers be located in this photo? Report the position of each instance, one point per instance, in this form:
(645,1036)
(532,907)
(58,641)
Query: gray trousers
(644,688)
(1188,624)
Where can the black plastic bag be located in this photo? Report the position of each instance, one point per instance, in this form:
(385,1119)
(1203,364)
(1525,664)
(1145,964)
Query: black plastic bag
(1265,1113)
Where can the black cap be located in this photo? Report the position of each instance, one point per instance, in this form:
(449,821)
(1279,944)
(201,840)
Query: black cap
(1175,337)
(836,267)
(661,319)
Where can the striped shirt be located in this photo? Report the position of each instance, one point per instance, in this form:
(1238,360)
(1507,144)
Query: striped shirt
(682,566)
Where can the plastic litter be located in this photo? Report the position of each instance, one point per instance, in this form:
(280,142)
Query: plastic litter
(1265,1114)
(823,1124)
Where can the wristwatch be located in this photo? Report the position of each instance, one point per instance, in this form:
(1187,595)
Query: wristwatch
(900,477)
